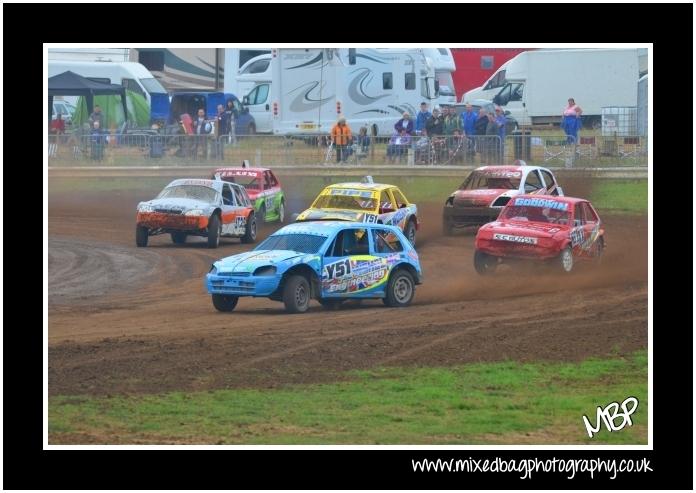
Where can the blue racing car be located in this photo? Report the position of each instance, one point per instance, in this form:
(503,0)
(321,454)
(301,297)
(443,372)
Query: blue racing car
(331,261)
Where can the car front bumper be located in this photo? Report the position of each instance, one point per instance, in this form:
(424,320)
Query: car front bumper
(179,222)
(241,284)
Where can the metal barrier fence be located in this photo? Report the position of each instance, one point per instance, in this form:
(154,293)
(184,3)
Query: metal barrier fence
(303,150)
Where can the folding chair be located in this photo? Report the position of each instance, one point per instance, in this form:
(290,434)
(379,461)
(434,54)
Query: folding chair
(555,149)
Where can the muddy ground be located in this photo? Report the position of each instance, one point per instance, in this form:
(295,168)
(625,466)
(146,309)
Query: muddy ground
(137,320)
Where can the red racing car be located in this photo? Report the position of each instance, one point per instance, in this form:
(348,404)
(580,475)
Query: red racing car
(541,227)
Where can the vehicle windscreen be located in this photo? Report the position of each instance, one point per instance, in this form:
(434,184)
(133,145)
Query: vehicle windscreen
(196,192)
(303,243)
(250,182)
(478,180)
(446,83)
(354,200)
(536,214)
(152,85)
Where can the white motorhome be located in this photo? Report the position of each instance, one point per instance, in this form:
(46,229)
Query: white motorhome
(539,83)
(238,60)
(312,86)
(254,81)
(184,69)
(255,71)
(443,63)
(133,76)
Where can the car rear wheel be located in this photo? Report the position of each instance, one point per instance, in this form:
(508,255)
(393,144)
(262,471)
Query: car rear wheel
(179,238)
(296,294)
(225,302)
(410,232)
(565,259)
(142,233)
(262,214)
(484,264)
(281,212)
(599,252)
(250,233)
(400,289)
(214,231)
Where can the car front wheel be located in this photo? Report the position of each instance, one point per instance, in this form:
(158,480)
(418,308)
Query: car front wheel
(565,259)
(179,238)
(142,234)
(250,232)
(484,264)
(225,302)
(296,294)
(214,231)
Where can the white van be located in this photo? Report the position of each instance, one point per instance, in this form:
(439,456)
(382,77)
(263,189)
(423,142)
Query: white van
(133,76)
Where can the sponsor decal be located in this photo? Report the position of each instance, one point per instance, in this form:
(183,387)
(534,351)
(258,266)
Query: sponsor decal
(483,192)
(535,202)
(502,174)
(397,217)
(515,239)
(577,236)
(240,172)
(357,273)
(370,218)
(351,193)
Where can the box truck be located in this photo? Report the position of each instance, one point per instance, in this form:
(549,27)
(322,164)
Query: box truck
(539,83)
(370,87)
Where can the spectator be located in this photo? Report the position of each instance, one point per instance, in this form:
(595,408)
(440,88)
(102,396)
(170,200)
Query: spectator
(571,122)
(97,116)
(363,140)
(341,137)
(398,145)
(422,154)
(404,124)
(455,146)
(422,117)
(501,123)
(97,141)
(491,145)
(469,118)
(231,115)
(221,132)
(435,124)
(451,121)
(201,129)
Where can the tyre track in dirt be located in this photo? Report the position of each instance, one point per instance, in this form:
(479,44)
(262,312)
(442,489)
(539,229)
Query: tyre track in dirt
(153,329)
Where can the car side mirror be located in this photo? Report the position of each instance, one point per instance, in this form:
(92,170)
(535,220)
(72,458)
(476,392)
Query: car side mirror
(507,112)
(245,100)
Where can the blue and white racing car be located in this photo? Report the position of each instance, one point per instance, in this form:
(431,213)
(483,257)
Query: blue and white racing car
(330,261)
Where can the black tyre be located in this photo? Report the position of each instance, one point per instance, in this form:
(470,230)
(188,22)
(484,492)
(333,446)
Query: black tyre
(410,231)
(447,228)
(262,214)
(400,289)
(330,303)
(142,233)
(599,252)
(281,212)
(565,260)
(179,238)
(225,302)
(484,264)
(251,227)
(214,228)
(296,294)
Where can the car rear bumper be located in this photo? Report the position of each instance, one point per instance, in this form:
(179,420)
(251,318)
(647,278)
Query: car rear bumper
(179,222)
(506,249)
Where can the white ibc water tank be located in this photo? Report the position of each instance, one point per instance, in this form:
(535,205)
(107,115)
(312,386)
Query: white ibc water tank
(621,121)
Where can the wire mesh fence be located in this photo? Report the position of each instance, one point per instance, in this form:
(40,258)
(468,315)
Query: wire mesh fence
(134,149)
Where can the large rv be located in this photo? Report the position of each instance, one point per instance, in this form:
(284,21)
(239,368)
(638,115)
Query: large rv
(180,69)
(443,63)
(370,87)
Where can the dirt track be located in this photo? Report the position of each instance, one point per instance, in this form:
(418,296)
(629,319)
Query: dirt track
(123,319)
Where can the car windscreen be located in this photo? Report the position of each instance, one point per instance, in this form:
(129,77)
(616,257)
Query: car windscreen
(250,182)
(196,192)
(152,85)
(536,214)
(355,200)
(478,180)
(303,243)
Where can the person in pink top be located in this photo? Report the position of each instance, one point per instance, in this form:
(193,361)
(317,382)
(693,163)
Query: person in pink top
(571,123)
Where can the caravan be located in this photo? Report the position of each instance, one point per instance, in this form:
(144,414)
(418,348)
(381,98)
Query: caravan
(370,87)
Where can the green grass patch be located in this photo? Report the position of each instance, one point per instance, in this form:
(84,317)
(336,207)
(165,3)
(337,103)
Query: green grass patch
(507,402)
(630,196)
